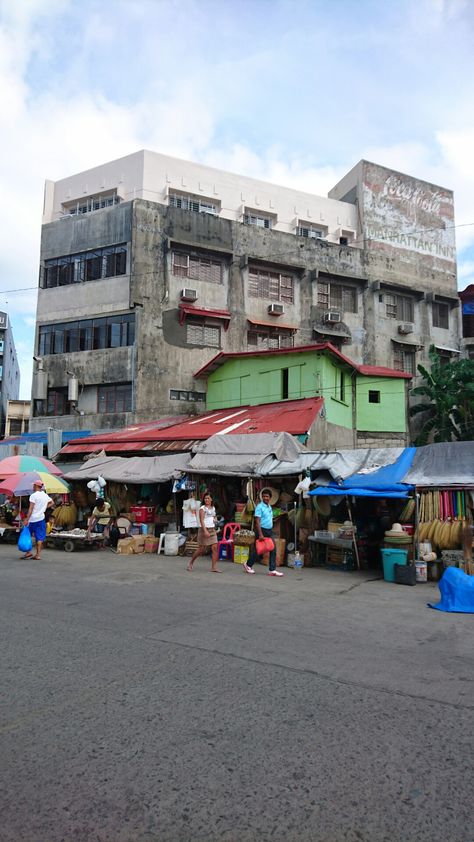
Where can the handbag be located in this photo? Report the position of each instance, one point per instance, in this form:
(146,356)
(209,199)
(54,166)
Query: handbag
(25,543)
(260,546)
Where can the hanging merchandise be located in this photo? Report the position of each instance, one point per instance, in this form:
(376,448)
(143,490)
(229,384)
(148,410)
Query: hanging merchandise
(191,508)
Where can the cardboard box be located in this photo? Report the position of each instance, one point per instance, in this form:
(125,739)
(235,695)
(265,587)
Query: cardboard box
(132,545)
(151,544)
(334,527)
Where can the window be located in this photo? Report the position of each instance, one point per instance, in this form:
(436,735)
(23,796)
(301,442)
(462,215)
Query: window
(183,395)
(312,232)
(91,203)
(87,335)
(399,307)
(274,286)
(196,267)
(284,383)
(114,398)
(374,397)
(203,334)
(193,203)
(341,386)
(404,359)
(85,266)
(266,338)
(260,220)
(334,296)
(440,315)
(57,402)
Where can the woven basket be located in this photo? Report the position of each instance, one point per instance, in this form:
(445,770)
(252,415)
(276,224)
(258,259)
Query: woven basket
(243,540)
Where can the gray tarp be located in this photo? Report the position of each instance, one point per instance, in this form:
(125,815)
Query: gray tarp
(241,455)
(444,465)
(134,469)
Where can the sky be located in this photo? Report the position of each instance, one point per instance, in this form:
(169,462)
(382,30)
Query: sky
(291,92)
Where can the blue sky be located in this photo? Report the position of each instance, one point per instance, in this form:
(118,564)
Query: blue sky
(294,93)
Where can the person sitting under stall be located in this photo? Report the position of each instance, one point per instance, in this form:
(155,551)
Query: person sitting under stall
(100,519)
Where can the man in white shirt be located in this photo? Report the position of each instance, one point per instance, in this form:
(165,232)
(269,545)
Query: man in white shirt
(35,520)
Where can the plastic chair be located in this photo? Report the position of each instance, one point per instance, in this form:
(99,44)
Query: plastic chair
(123,525)
(161,543)
(225,547)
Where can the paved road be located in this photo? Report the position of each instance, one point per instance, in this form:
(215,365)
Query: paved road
(141,702)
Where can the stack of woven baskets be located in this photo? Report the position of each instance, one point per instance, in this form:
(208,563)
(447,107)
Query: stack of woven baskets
(397,537)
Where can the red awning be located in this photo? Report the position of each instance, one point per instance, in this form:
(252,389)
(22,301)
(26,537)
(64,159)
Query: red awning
(272,324)
(189,310)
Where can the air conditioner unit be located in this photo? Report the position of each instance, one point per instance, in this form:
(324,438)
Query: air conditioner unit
(276,309)
(188,294)
(332,317)
(405,328)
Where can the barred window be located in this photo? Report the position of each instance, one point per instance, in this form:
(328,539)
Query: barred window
(185,395)
(196,204)
(197,267)
(275,286)
(260,220)
(312,232)
(440,315)
(399,307)
(333,296)
(268,338)
(203,334)
(404,359)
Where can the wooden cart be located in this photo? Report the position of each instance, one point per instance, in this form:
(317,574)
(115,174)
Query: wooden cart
(70,541)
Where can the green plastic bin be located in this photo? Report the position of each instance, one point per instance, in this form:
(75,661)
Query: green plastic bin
(390,557)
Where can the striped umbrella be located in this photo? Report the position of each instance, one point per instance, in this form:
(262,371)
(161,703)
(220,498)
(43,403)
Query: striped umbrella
(21,485)
(22,463)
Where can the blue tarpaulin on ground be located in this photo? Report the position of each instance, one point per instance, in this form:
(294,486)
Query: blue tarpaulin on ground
(457,592)
(382,482)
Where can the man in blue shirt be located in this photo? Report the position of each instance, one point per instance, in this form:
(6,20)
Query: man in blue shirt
(263,520)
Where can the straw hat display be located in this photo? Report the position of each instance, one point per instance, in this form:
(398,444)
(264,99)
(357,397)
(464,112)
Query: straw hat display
(322,505)
(273,492)
(397,535)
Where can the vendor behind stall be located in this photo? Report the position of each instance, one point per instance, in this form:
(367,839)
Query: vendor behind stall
(100,519)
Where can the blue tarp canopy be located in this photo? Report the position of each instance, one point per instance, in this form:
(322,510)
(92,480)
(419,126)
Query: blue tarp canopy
(382,482)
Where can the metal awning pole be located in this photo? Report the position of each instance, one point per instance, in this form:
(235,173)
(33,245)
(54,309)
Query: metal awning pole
(417,525)
(354,537)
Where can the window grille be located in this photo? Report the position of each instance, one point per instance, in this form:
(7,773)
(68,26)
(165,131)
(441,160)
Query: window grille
(197,267)
(399,307)
(310,232)
(200,333)
(259,220)
(193,203)
(267,339)
(337,297)
(91,203)
(180,395)
(440,315)
(274,286)
(404,360)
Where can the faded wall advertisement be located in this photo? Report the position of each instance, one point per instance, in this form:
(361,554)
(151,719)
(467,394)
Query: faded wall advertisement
(406,213)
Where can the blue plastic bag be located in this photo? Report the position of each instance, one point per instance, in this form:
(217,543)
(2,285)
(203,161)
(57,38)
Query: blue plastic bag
(25,543)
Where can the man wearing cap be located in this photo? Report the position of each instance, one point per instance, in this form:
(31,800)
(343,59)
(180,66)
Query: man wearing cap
(263,519)
(35,520)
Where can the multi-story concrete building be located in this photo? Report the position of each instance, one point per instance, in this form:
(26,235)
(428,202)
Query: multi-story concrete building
(150,265)
(9,369)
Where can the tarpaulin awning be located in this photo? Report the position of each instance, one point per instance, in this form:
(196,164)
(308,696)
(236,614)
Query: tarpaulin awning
(134,470)
(443,465)
(388,481)
(241,455)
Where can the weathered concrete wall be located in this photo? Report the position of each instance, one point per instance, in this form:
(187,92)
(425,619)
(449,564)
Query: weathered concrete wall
(164,361)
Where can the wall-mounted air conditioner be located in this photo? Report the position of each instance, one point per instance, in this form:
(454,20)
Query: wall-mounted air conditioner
(189,294)
(276,309)
(405,328)
(332,317)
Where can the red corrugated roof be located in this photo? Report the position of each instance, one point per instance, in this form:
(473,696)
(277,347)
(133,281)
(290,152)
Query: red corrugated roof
(190,310)
(294,417)
(381,371)
(272,324)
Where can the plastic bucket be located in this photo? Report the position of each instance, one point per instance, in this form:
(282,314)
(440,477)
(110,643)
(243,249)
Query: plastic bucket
(390,557)
(171,543)
(421,571)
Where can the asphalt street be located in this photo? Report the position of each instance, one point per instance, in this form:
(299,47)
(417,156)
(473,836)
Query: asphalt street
(143,702)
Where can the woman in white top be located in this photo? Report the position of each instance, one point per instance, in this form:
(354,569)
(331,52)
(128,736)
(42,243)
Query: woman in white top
(207,535)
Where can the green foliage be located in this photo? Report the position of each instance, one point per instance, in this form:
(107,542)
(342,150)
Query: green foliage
(448,407)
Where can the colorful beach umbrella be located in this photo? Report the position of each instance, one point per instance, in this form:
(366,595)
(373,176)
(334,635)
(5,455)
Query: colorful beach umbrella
(22,463)
(21,485)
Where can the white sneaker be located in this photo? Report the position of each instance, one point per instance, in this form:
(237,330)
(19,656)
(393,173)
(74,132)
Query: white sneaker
(274,573)
(248,569)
